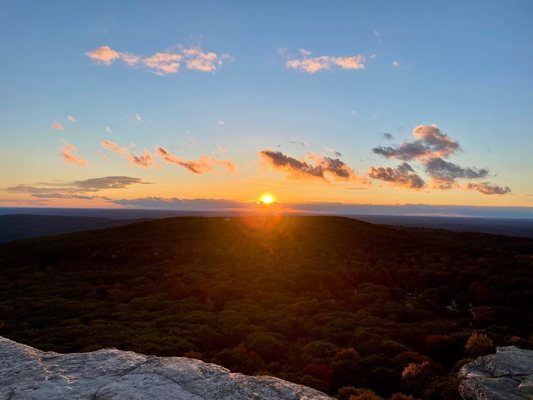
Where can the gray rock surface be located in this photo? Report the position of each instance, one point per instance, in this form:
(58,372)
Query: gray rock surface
(28,373)
(506,375)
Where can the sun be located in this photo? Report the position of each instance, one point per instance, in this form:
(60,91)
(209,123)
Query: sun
(267,198)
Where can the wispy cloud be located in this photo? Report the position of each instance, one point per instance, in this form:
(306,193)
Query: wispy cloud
(108,130)
(396,64)
(163,63)
(377,36)
(489,188)
(138,118)
(70,158)
(145,159)
(204,164)
(57,125)
(199,60)
(307,63)
(109,145)
(315,166)
(403,175)
(80,189)
(71,118)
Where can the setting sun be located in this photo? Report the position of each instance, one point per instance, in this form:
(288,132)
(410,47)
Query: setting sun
(267,198)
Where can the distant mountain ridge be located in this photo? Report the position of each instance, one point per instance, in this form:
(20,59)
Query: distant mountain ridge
(28,226)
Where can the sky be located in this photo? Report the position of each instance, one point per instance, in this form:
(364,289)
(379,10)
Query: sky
(214,103)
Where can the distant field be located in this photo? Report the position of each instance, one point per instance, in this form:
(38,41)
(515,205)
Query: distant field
(325,301)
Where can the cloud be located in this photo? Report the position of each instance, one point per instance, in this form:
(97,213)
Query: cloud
(68,196)
(197,59)
(396,64)
(71,118)
(429,143)
(144,160)
(80,189)
(403,175)
(163,63)
(489,188)
(107,144)
(107,129)
(105,55)
(138,118)
(444,173)
(174,203)
(316,166)
(429,148)
(70,158)
(108,182)
(388,136)
(58,126)
(203,165)
(377,36)
(312,65)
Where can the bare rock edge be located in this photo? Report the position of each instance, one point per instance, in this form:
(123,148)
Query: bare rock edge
(506,375)
(28,373)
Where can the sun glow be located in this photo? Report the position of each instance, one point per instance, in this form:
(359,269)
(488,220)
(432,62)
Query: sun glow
(267,198)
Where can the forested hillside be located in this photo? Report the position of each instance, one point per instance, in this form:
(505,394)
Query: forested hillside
(328,302)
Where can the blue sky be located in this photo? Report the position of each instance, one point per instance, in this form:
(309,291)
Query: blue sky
(464,66)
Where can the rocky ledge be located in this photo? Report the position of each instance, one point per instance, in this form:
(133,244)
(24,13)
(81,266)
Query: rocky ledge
(506,375)
(28,373)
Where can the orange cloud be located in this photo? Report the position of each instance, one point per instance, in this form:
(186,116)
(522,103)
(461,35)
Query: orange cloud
(70,158)
(58,126)
(144,160)
(163,63)
(114,147)
(314,64)
(105,55)
(203,165)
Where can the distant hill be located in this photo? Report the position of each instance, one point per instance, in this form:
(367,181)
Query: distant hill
(520,227)
(328,302)
(498,226)
(27,226)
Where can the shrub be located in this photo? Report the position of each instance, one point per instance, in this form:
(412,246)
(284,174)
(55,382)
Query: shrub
(479,344)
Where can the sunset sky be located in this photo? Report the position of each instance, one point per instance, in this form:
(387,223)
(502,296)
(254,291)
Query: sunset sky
(166,103)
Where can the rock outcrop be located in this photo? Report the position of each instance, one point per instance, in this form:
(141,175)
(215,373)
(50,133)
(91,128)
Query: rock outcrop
(28,373)
(506,375)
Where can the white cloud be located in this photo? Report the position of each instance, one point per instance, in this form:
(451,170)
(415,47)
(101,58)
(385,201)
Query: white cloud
(107,129)
(377,36)
(396,64)
(71,118)
(138,118)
